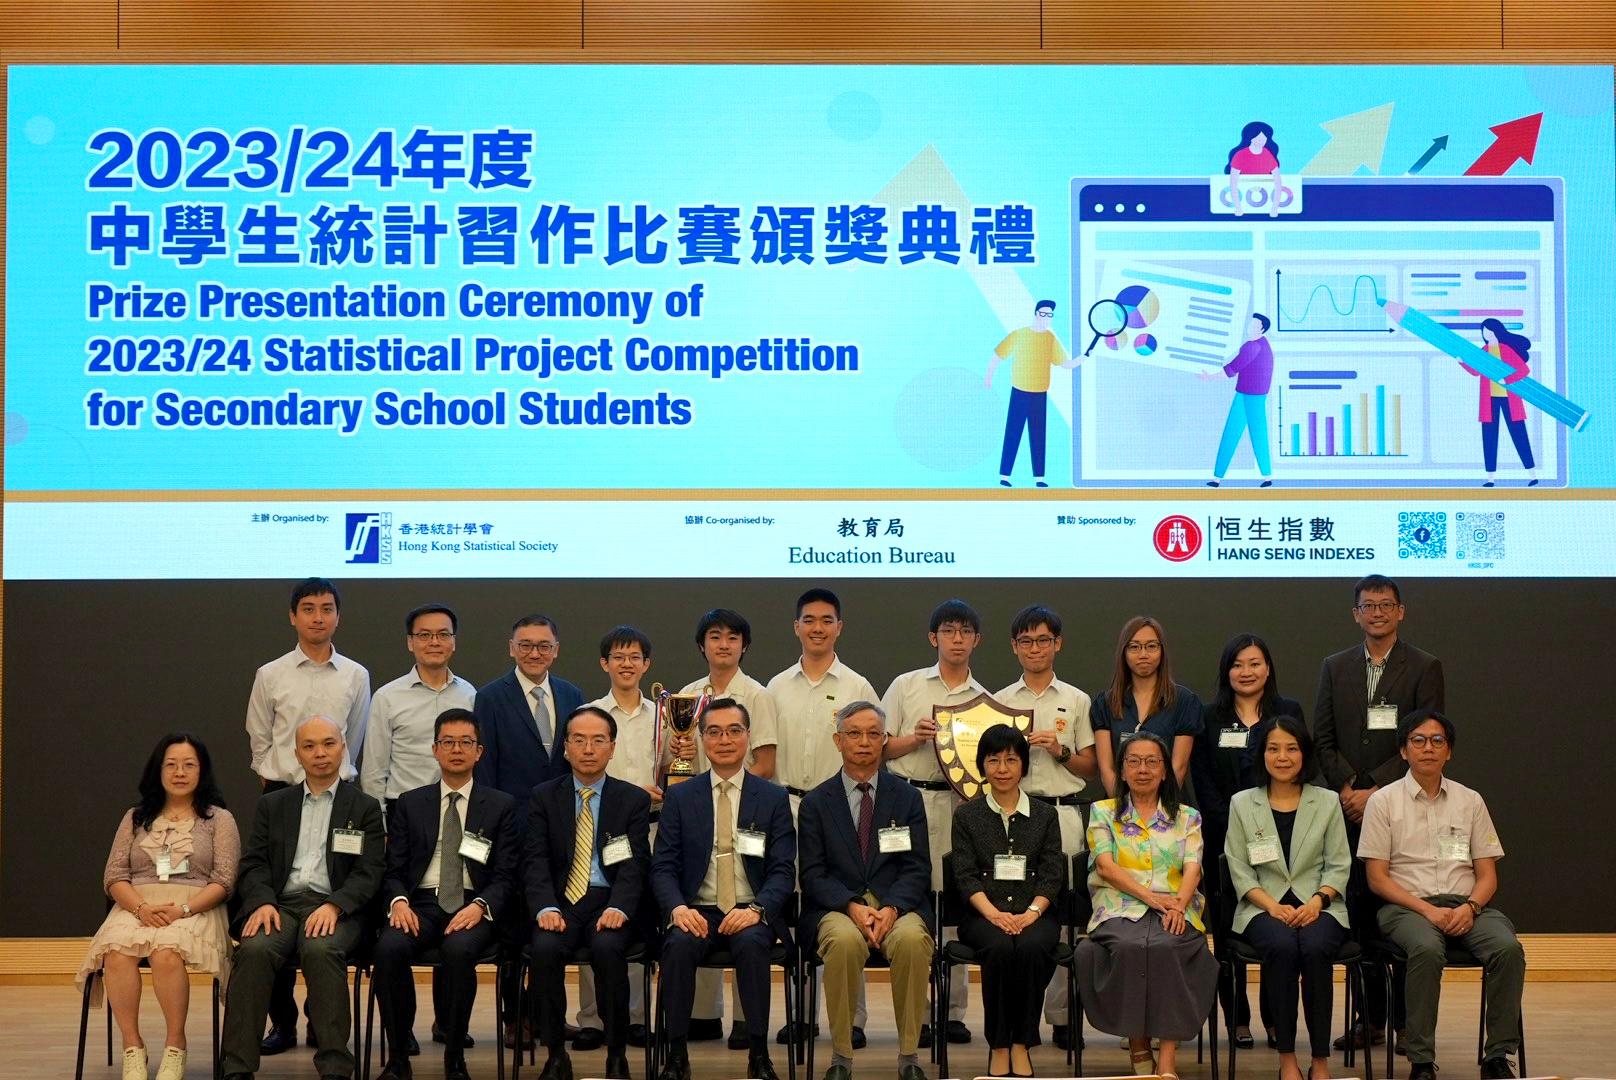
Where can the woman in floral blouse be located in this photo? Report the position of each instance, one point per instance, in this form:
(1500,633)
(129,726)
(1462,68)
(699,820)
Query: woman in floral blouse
(1144,969)
(172,866)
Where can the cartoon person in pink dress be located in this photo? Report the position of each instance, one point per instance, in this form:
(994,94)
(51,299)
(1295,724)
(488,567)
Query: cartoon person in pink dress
(1257,155)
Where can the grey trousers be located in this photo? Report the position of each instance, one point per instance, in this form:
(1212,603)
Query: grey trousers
(1492,941)
(325,969)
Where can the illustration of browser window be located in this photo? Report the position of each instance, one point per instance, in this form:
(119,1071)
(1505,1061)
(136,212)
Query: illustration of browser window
(1165,281)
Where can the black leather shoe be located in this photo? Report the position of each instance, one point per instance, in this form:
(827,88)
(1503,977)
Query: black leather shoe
(784,1035)
(638,1035)
(958,1032)
(924,1041)
(616,1066)
(1358,1038)
(558,1066)
(677,1067)
(858,1037)
(1063,1036)
(397,1069)
(759,1067)
(838,1072)
(278,1041)
(911,1072)
(456,1070)
(1422,1070)
(740,1038)
(706,1030)
(414,1049)
(589,1039)
(1497,1068)
(438,1036)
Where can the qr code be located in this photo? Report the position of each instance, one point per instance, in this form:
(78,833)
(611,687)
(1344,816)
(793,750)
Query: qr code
(1478,537)
(1422,534)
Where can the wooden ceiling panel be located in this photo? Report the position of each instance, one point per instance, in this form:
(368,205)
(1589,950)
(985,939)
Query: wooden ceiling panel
(43,24)
(329,24)
(812,24)
(1287,30)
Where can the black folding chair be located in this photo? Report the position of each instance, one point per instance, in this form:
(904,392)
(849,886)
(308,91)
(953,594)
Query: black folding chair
(638,953)
(84,1021)
(1383,953)
(433,958)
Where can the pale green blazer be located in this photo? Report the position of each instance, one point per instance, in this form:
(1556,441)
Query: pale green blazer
(1319,852)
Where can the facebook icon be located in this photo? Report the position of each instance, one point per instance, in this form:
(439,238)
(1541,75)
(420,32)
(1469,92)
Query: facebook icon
(370,538)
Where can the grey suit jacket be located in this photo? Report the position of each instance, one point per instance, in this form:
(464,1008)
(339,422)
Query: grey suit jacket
(1319,852)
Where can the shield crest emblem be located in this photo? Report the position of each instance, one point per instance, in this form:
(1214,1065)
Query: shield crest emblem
(960,728)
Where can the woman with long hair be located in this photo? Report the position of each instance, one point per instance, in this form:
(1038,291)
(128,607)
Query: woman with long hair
(1144,969)
(1496,399)
(1226,761)
(1143,696)
(170,871)
(1257,154)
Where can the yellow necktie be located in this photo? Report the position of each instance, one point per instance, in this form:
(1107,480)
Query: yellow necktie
(725,868)
(583,852)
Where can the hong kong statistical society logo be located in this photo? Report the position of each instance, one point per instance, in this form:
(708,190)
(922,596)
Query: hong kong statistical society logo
(1177,538)
(369,538)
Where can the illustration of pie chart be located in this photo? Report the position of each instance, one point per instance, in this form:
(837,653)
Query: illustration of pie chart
(1141,304)
(1144,344)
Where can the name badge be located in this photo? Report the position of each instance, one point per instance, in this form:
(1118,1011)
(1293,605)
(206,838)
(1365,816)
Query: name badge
(616,850)
(894,839)
(166,868)
(476,848)
(1232,738)
(750,842)
(1264,849)
(348,841)
(1383,718)
(1009,868)
(1453,848)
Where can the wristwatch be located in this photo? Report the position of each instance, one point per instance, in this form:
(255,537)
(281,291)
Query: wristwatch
(1324,899)
(758,910)
(1065,755)
(1473,906)
(186,908)
(1035,909)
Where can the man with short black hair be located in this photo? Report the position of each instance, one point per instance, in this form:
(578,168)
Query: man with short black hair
(311,680)
(452,853)
(1432,854)
(400,750)
(723,872)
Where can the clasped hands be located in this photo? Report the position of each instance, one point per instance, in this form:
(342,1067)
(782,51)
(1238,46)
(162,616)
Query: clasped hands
(874,923)
(1298,917)
(1013,924)
(154,915)
(1454,921)
(1171,907)
(694,923)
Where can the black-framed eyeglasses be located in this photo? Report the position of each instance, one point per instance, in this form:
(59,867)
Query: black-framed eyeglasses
(468,742)
(1382,607)
(424,636)
(526,648)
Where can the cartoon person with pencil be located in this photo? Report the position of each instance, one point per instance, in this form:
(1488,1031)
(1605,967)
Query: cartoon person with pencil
(1513,349)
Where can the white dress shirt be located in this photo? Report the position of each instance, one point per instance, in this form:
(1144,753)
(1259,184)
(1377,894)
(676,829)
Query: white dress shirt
(293,688)
(805,709)
(398,739)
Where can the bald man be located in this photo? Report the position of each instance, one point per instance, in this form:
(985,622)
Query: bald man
(314,861)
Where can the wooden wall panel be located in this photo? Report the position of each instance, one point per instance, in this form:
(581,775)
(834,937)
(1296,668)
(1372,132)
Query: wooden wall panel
(34,24)
(812,24)
(1559,24)
(1287,30)
(313,24)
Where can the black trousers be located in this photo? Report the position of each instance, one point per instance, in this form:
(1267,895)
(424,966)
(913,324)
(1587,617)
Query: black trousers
(1015,972)
(682,953)
(282,997)
(608,950)
(454,983)
(1288,952)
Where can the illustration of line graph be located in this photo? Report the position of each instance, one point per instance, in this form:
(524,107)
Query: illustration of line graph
(1308,302)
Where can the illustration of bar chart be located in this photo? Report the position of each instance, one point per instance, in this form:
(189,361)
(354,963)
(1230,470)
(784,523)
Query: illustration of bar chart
(1338,413)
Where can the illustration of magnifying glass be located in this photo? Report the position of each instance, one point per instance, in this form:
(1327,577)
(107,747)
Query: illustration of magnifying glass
(1107,319)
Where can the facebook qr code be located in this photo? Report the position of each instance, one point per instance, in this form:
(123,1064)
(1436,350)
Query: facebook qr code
(1478,537)
(1422,534)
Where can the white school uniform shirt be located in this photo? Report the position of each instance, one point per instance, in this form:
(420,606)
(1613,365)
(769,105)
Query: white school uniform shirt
(634,758)
(806,755)
(909,699)
(759,706)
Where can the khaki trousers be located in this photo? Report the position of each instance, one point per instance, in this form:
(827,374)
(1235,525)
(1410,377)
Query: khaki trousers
(907,947)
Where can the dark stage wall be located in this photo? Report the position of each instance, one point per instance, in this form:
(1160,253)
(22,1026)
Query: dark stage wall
(95,671)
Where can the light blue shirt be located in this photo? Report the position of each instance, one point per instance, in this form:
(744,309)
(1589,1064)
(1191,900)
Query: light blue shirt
(597,873)
(855,796)
(313,828)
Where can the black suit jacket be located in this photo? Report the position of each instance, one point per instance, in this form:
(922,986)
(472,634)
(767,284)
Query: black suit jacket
(266,862)
(552,823)
(834,873)
(684,846)
(1348,751)
(515,759)
(413,822)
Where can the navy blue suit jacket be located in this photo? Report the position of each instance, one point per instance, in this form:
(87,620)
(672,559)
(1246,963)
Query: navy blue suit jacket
(684,846)
(834,873)
(515,760)
(413,822)
(552,831)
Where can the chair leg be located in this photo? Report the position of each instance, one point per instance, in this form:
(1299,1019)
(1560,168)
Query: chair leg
(84,1024)
(1212,1034)
(1074,1020)
(1355,993)
(521,1014)
(370,1031)
(645,1002)
(218,1064)
(939,1027)
(1234,988)
(1481,1021)
(107,1005)
(1391,1011)
(812,977)
(499,1023)
(791,1023)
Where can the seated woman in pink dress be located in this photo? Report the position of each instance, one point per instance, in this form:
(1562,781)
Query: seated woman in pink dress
(1257,155)
(172,866)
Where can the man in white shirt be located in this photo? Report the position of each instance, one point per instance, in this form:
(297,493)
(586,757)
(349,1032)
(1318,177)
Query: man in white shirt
(722,637)
(1062,744)
(399,754)
(311,680)
(956,630)
(807,696)
(1431,852)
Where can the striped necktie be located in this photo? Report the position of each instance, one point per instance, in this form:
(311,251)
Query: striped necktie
(583,851)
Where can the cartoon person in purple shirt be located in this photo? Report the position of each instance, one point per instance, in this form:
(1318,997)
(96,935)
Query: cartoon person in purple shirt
(1253,371)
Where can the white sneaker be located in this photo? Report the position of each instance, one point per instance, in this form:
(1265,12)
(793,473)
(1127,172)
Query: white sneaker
(172,1067)
(134,1063)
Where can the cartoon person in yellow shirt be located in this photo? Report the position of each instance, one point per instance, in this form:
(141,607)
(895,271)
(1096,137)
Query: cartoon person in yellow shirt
(1032,351)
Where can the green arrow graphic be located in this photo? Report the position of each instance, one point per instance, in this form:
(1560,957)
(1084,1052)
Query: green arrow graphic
(1355,140)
